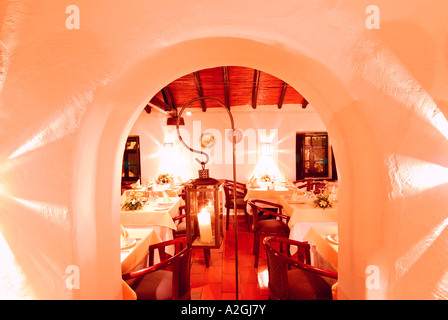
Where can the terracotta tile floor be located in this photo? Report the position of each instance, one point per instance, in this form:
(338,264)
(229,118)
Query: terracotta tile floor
(217,282)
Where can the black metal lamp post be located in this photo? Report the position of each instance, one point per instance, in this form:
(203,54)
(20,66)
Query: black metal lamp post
(203,211)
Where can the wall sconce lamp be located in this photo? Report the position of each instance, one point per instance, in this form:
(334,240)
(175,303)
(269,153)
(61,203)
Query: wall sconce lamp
(266,149)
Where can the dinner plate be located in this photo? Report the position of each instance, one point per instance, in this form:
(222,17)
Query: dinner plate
(160,208)
(164,204)
(333,238)
(130,243)
(296,202)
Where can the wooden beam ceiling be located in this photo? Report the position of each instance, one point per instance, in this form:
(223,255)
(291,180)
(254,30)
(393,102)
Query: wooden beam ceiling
(232,85)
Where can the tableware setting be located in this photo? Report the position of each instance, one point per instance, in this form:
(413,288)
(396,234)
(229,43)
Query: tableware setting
(129,243)
(333,238)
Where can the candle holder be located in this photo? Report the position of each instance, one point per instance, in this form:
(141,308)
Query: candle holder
(203,212)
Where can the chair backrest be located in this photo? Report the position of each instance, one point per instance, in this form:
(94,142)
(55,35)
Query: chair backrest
(178,263)
(318,187)
(229,190)
(260,207)
(279,263)
(238,184)
(304,183)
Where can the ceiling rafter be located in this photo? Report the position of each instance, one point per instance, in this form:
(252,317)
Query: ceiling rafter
(256,84)
(161,105)
(304,103)
(198,83)
(282,95)
(168,97)
(225,74)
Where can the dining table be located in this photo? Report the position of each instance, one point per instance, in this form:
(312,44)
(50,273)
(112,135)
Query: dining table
(304,215)
(324,241)
(268,192)
(134,253)
(156,214)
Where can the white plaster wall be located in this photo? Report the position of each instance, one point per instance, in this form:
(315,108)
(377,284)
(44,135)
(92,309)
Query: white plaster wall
(69,98)
(265,123)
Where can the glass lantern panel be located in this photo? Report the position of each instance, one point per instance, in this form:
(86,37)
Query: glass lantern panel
(203,216)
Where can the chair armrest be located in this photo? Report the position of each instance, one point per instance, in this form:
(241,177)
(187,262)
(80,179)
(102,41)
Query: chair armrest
(179,217)
(273,213)
(147,270)
(321,272)
(270,212)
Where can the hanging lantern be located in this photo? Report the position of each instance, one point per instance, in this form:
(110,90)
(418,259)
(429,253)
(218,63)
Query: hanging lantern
(203,212)
(204,216)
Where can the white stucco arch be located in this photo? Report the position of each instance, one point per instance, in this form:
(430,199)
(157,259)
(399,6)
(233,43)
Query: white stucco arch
(69,97)
(334,102)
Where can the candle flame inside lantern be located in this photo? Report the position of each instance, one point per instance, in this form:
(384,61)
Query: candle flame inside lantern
(205,226)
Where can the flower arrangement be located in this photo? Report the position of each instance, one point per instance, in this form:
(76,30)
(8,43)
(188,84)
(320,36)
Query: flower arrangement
(164,178)
(265,178)
(324,200)
(133,203)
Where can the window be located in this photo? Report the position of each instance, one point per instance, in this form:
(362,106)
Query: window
(131,171)
(314,156)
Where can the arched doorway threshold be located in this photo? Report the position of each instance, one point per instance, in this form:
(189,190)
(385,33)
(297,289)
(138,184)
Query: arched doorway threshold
(111,115)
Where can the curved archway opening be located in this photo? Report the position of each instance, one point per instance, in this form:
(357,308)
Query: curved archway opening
(114,111)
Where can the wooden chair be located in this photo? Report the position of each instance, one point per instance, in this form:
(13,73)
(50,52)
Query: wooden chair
(276,225)
(167,280)
(241,204)
(294,278)
(304,184)
(318,187)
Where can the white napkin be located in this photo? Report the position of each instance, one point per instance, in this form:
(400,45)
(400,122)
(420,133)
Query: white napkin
(124,236)
(294,197)
(166,197)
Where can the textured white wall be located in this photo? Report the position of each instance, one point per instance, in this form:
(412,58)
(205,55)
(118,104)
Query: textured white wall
(267,122)
(69,98)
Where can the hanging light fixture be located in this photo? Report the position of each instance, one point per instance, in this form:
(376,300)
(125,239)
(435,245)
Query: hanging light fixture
(203,212)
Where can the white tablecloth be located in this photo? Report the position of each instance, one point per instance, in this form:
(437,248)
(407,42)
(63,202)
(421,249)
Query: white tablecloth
(136,255)
(150,215)
(304,216)
(268,194)
(325,250)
